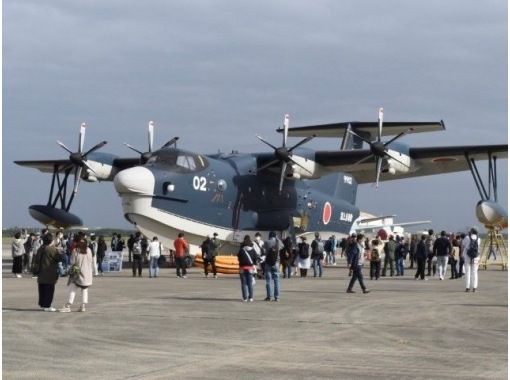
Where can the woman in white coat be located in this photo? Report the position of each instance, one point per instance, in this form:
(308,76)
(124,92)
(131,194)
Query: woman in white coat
(80,275)
(154,253)
(471,263)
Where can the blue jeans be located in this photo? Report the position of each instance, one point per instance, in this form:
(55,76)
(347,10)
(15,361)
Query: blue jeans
(287,271)
(400,266)
(272,275)
(153,267)
(246,284)
(317,263)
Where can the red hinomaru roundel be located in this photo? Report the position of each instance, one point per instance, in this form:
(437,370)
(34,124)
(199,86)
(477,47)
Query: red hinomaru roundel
(327,211)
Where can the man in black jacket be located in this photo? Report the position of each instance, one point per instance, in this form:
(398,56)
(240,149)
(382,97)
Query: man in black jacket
(442,249)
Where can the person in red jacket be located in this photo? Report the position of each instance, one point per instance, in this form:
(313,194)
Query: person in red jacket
(181,247)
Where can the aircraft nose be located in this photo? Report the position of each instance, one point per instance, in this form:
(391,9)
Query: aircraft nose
(138,180)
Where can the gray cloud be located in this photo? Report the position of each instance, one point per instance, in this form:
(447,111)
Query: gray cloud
(203,70)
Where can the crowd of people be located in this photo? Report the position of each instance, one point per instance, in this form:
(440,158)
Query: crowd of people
(48,257)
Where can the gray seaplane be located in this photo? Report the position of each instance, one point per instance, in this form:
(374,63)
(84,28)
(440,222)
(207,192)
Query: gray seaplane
(292,189)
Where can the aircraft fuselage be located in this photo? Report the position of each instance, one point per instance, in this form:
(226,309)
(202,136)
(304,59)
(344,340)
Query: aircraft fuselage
(178,191)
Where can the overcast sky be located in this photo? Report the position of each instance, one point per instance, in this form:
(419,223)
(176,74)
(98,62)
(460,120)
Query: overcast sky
(217,72)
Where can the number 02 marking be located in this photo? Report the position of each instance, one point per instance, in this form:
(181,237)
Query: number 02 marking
(199,183)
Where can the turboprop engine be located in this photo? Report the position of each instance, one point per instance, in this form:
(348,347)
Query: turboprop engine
(491,214)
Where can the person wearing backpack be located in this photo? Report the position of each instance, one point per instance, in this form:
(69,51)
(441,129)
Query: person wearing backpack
(471,253)
(137,255)
(317,254)
(389,256)
(303,253)
(207,256)
(271,267)
(247,258)
(431,259)
(375,260)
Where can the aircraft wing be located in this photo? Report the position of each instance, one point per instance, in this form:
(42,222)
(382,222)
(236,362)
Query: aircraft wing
(366,129)
(429,161)
(45,166)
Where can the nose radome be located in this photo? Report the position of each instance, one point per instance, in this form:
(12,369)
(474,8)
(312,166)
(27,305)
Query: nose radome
(138,180)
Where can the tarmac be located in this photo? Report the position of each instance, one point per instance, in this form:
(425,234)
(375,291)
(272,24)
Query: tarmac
(198,328)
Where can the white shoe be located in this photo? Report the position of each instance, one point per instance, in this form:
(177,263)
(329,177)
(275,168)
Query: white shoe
(184,277)
(50,309)
(65,309)
(82,308)
(250,300)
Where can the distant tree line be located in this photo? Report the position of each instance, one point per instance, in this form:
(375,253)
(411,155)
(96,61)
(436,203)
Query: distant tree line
(9,232)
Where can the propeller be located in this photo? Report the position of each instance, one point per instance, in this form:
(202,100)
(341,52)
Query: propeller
(284,154)
(144,156)
(79,159)
(379,149)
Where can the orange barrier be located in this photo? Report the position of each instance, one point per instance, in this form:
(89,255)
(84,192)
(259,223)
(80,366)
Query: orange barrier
(224,264)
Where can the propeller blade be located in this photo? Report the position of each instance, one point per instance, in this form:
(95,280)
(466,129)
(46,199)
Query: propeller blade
(298,164)
(358,136)
(285,129)
(151,135)
(304,141)
(265,142)
(282,175)
(363,160)
(378,171)
(93,149)
(269,164)
(398,136)
(65,147)
(171,142)
(81,139)
(379,132)
(77,178)
(133,148)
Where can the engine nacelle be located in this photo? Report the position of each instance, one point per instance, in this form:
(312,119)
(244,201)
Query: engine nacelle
(491,214)
(401,164)
(90,177)
(307,170)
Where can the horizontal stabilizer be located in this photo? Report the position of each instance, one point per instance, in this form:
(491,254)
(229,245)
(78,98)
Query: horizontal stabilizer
(368,130)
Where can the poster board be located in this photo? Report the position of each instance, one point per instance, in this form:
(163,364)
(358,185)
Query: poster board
(112,262)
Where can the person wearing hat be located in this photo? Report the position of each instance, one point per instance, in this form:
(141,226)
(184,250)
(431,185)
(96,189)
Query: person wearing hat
(303,257)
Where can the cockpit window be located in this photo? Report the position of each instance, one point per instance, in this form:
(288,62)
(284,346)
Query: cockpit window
(180,160)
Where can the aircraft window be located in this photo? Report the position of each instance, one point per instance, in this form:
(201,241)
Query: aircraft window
(186,161)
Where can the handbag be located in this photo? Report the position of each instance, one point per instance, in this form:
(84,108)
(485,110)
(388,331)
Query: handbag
(161,260)
(253,270)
